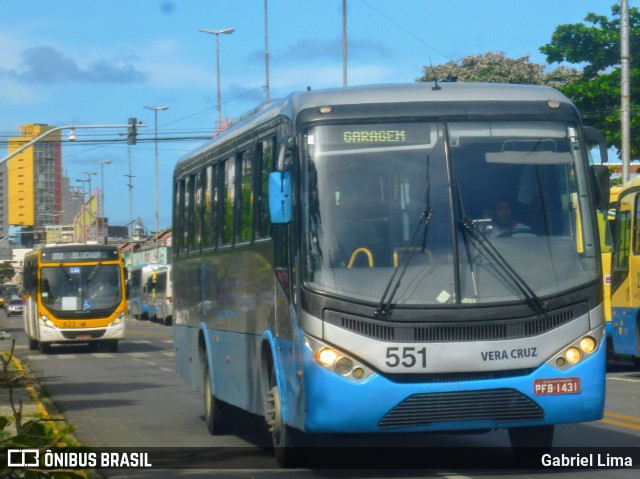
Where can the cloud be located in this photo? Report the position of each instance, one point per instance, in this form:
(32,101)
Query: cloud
(48,65)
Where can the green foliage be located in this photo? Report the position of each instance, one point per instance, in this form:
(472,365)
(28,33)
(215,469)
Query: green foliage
(496,67)
(595,44)
(35,433)
(7,271)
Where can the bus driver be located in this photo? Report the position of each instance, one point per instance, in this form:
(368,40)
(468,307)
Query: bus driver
(504,225)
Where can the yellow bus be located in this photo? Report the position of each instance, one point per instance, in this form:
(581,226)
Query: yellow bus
(607,225)
(623,331)
(74,294)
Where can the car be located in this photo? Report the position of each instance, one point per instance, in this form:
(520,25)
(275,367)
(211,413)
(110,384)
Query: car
(14,306)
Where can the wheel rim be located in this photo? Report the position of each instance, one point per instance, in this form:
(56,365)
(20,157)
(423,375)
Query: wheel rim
(274,416)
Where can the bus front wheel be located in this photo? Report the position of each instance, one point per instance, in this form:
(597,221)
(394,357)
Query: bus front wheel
(283,437)
(33,344)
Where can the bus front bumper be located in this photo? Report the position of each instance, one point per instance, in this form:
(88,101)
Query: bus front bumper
(334,404)
(48,334)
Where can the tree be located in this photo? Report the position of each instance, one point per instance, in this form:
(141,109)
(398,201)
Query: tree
(595,44)
(496,67)
(6,272)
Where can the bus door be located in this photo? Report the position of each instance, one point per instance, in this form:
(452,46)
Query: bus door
(30,309)
(625,296)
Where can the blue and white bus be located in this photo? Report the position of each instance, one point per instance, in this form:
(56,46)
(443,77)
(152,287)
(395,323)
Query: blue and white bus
(337,267)
(137,289)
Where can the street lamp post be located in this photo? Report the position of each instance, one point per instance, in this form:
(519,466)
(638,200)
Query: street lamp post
(156,109)
(89,175)
(101,216)
(226,31)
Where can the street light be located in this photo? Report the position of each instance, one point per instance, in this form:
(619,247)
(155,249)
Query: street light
(89,175)
(226,31)
(101,216)
(156,109)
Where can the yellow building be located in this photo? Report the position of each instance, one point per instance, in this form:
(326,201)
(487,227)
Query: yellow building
(34,191)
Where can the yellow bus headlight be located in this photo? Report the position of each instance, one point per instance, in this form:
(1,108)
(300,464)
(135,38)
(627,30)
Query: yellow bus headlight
(47,322)
(119,319)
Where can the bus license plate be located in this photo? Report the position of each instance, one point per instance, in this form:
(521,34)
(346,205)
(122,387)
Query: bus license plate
(556,386)
(83,337)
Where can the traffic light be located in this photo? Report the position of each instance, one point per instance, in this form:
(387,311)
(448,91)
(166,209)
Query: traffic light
(132,131)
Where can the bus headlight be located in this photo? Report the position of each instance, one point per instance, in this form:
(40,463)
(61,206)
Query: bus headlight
(572,355)
(588,344)
(47,322)
(119,319)
(327,356)
(578,350)
(336,361)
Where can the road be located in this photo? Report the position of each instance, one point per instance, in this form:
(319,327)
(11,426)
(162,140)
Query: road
(134,398)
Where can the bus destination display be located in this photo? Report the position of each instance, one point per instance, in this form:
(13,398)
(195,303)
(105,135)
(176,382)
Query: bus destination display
(78,255)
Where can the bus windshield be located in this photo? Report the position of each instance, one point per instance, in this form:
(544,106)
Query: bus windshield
(81,288)
(518,186)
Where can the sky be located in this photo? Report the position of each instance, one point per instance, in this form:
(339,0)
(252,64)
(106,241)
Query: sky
(73,62)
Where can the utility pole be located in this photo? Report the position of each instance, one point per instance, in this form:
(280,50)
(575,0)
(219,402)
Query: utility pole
(266,49)
(344,43)
(625,120)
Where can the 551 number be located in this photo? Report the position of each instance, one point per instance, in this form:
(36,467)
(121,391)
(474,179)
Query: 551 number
(408,357)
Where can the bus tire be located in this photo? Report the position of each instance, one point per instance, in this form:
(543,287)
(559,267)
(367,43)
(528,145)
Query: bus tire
(284,438)
(33,344)
(530,443)
(45,348)
(216,415)
(112,345)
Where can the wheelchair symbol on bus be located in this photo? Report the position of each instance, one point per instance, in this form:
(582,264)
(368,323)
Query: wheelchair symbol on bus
(87,304)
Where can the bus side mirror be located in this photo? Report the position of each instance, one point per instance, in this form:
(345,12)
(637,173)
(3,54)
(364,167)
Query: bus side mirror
(594,136)
(600,176)
(280,196)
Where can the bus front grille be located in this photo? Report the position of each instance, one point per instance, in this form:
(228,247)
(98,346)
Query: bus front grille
(498,405)
(436,332)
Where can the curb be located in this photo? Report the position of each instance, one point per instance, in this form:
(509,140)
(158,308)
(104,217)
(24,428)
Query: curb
(30,387)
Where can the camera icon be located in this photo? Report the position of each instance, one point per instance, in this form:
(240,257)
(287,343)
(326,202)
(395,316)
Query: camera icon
(23,458)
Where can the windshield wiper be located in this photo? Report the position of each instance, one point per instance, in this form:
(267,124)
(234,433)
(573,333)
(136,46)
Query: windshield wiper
(384,306)
(500,261)
(94,271)
(466,245)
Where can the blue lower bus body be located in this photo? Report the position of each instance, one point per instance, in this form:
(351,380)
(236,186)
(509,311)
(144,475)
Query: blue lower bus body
(335,404)
(317,400)
(623,331)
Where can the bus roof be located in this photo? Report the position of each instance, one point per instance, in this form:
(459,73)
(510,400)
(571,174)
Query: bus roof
(295,102)
(634,183)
